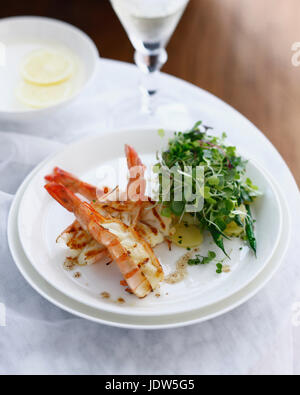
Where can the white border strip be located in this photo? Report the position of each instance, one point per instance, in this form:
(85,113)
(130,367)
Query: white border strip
(2,314)
(2,55)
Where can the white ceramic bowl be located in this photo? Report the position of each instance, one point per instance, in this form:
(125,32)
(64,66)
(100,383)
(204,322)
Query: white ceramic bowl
(21,35)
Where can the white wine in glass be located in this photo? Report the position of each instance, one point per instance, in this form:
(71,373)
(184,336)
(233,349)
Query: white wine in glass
(149,25)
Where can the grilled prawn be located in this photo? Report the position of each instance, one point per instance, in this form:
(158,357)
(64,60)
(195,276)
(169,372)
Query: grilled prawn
(136,186)
(143,213)
(82,248)
(134,257)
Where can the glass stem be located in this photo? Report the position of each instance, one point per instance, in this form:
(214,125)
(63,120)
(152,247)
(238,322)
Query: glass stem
(150,65)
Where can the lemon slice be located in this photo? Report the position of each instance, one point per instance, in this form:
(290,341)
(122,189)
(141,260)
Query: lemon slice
(43,96)
(46,67)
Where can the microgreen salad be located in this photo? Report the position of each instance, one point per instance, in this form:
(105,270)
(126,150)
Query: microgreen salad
(227,192)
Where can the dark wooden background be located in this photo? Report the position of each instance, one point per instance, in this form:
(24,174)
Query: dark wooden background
(240,50)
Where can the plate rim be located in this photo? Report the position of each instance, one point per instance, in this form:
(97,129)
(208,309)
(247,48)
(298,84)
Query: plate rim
(137,313)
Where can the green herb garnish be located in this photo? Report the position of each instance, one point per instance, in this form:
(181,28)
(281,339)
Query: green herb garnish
(161,133)
(219,268)
(202,260)
(250,230)
(224,187)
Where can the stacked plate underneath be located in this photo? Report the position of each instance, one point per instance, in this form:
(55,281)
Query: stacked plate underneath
(35,221)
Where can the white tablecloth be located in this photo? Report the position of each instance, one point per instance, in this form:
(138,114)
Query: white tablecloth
(262,336)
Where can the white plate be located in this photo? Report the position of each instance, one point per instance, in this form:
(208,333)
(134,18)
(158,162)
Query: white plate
(22,35)
(41,220)
(123,321)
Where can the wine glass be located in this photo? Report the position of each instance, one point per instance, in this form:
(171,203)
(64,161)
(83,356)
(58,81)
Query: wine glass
(149,25)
